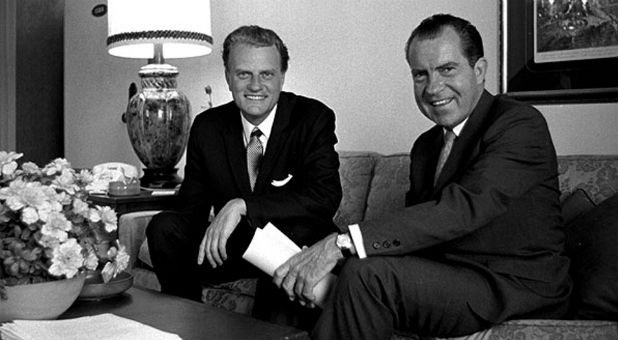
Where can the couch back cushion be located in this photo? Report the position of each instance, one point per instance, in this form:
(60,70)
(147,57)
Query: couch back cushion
(592,246)
(374,184)
(355,172)
(391,181)
(597,175)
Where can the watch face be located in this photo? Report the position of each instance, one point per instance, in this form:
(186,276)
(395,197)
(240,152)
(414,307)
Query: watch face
(344,241)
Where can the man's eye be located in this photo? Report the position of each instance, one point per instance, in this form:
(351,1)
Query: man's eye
(418,76)
(447,70)
(267,75)
(243,75)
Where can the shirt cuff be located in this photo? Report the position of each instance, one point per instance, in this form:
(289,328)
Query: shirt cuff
(357,239)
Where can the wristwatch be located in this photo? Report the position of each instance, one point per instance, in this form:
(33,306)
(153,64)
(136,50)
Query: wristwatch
(344,243)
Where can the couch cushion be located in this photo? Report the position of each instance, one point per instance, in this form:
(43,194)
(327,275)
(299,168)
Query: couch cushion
(576,204)
(536,329)
(391,181)
(355,172)
(592,246)
(598,175)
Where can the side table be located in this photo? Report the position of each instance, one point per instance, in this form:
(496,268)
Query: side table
(146,200)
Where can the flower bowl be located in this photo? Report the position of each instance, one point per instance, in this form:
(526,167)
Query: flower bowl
(95,289)
(40,301)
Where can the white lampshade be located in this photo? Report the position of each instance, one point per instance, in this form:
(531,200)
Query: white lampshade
(182,27)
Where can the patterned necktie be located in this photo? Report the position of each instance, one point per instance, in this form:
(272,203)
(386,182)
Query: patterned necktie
(254,155)
(449,138)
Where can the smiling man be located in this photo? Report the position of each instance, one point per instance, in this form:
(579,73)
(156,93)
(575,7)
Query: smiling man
(267,156)
(480,240)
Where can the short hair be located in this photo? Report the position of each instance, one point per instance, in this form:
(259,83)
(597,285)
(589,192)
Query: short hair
(258,37)
(431,27)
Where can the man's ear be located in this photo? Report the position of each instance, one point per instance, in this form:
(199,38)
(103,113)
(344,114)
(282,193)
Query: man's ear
(480,70)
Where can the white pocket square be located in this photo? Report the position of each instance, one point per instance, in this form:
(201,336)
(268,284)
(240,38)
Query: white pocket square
(276,183)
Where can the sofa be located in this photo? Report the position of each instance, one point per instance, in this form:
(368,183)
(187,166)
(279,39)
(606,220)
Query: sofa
(374,183)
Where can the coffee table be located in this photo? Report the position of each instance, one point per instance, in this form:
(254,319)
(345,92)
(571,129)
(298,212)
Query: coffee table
(189,319)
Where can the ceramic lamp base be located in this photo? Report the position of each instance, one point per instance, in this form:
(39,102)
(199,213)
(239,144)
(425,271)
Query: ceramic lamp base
(160,178)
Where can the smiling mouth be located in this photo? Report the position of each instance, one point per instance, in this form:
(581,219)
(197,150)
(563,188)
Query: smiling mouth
(441,102)
(255,97)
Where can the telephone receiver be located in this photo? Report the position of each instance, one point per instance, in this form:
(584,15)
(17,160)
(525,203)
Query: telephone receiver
(125,169)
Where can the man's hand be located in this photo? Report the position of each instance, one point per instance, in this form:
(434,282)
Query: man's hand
(299,274)
(214,242)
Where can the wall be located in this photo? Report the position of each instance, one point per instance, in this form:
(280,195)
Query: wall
(347,53)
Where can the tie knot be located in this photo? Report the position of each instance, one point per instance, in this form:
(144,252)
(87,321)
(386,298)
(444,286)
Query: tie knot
(256,132)
(449,136)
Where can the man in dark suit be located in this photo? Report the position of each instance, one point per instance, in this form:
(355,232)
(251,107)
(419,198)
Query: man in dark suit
(480,240)
(268,156)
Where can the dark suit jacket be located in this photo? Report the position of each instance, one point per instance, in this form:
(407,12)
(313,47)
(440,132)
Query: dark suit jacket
(495,207)
(301,144)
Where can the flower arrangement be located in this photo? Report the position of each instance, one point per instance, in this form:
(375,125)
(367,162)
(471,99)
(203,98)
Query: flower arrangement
(48,230)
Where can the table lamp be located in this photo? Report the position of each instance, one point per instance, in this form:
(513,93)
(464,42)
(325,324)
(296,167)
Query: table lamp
(158,115)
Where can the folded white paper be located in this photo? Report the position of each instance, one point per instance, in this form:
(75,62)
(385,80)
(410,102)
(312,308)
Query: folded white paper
(98,327)
(270,248)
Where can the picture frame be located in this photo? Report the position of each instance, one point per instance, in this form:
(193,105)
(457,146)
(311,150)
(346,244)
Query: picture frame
(552,58)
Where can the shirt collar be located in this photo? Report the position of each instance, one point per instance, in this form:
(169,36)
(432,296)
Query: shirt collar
(457,129)
(266,126)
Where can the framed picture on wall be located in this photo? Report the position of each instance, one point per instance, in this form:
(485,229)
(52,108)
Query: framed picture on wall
(560,51)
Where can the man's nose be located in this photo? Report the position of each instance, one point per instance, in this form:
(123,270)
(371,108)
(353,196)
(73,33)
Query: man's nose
(435,84)
(255,84)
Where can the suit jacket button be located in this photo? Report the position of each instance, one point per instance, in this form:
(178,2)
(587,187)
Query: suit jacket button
(376,245)
(396,243)
(386,244)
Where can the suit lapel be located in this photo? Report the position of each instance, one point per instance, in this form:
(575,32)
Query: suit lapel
(276,140)
(235,149)
(465,144)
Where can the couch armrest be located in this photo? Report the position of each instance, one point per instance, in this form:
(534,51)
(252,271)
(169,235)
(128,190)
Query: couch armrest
(132,232)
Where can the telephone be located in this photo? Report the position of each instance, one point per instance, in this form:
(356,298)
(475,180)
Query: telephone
(115,168)
(122,175)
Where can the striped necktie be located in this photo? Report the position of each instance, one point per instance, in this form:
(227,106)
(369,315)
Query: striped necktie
(254,155)
(449,138)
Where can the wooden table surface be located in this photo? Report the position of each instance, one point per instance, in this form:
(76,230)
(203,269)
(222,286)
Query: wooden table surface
(189,319)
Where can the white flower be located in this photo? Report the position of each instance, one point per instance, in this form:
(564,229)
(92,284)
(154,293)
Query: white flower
(7,162)
(92,261)
(12,194)
(94,215)
(56,166)
(120,261)
(80,207)
(29,215)
(122,258)
(67,259)
(66,181)
(20,194)
(109,218)
(56,226)
(49,242)
(6,157)
(14,203)
(30,168)
(64,198)
(85,176)
(9,168)
(108,271)
(45,210)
